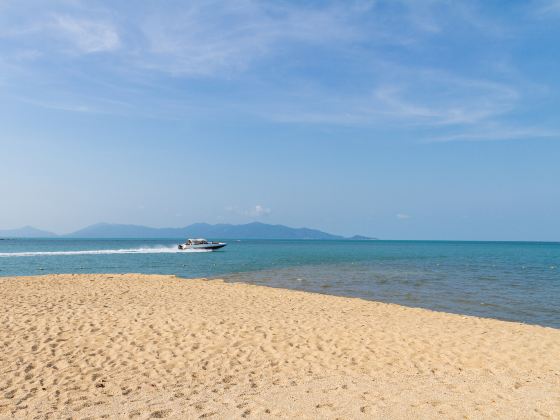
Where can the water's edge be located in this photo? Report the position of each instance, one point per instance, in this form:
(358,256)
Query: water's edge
(518,282)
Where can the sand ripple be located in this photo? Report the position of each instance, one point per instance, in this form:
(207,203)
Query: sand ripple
(137,346)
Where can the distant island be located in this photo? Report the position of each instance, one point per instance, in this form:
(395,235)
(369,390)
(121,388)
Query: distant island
(255,230)
(26,232)
(361,238)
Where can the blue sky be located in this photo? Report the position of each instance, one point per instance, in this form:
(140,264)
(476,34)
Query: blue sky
(397,119)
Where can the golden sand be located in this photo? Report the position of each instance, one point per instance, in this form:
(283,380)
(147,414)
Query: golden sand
(138,346)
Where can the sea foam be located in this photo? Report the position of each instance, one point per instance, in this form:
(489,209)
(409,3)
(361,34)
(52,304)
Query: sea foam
(159,250)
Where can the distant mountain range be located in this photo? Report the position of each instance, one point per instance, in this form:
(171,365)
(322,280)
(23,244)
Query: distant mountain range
(26,232)
(253,230)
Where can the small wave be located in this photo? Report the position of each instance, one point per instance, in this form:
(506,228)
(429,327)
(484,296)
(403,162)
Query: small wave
(162,250)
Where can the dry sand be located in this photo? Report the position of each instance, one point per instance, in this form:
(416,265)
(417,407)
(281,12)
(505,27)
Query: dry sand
(137,346)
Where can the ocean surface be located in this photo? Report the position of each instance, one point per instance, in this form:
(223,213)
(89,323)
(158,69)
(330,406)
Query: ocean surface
(515,281)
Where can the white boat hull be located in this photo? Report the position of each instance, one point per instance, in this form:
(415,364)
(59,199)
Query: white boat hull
(209,246)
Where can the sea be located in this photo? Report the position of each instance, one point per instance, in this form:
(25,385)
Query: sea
(513,281)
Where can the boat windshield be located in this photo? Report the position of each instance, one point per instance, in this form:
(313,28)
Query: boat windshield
(199,241)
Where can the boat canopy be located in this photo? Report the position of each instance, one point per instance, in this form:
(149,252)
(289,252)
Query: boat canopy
(199,241)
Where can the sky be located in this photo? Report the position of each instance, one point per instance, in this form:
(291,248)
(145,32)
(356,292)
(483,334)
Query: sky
(395,119)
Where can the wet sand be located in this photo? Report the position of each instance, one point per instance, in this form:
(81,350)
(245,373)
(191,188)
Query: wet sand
(139,346)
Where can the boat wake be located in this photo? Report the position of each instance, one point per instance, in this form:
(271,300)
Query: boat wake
(161,250)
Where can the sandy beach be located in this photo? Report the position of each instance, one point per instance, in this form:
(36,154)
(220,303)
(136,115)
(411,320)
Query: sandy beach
(139,346)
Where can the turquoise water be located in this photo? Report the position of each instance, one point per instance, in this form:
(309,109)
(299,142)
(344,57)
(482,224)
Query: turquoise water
(514,281)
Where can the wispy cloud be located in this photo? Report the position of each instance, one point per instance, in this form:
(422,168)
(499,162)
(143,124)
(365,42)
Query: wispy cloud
(497,134)
(51,32)
(445,99)
(418,97)
(402,216)
(349,63)
(89,105)
(86,36)
(205,38)
(547,8)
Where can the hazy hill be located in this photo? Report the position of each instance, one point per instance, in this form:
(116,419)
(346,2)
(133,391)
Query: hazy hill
(361,238)
(254,230)
(26,232)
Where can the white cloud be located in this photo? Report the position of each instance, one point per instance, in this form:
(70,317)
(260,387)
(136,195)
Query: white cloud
(254,212)
(87,36)
(402,216)
(259,211)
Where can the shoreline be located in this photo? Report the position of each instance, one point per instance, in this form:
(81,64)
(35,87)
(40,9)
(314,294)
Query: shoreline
(318,292)
(135,345)
(312,292)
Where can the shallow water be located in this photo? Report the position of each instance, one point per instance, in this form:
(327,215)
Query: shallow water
(517,281)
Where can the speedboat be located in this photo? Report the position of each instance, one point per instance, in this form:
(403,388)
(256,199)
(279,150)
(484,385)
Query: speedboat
(201,244)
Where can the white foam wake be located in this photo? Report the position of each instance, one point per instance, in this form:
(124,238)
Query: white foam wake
(161,250)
